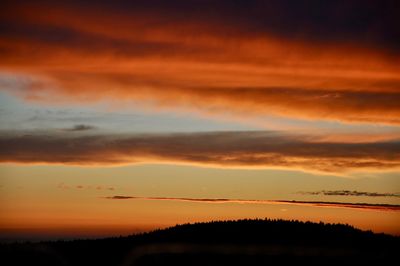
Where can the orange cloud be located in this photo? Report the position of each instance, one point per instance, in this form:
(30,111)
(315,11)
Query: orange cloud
(220,149)
(252,66)
(306,103)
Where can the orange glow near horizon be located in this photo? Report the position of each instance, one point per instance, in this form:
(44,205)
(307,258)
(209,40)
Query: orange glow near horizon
(94,222)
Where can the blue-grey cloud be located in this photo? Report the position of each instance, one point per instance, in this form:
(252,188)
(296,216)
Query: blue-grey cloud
(250,149)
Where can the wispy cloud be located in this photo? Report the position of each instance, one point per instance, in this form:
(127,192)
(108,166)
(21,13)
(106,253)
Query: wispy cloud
(366,206)
(349,193)
(256,149)
(86,187)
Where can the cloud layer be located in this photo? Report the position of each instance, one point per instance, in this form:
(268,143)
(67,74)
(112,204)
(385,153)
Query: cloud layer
(309,60)
(366,206)
(257,149)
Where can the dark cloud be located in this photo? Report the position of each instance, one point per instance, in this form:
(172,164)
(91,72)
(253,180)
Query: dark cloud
(349,193)
(61,38)
(119,197)
(368,206)
(365,22)
(222,149)
(80,127)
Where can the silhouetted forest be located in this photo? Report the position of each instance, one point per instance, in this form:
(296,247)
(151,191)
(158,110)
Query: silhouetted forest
(243,242)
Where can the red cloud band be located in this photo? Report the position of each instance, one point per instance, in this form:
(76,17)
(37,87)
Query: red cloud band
(249,67)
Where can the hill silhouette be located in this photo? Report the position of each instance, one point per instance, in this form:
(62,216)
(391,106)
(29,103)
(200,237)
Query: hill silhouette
(242,242)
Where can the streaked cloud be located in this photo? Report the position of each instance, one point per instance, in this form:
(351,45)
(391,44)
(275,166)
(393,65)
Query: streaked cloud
(253,149)
(349,193)
(366,206)
(243,58)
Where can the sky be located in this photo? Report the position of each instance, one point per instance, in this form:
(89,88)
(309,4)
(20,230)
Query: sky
(126,116)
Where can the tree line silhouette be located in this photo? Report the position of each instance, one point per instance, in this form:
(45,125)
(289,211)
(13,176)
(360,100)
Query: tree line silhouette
(241,242)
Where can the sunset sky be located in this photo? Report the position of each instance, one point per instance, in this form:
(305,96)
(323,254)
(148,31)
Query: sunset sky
(126,116)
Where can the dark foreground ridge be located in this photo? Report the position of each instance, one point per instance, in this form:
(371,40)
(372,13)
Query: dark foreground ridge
(243,242)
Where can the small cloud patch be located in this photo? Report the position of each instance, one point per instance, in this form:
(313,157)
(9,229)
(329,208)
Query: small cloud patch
(349,193)
(80,127)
